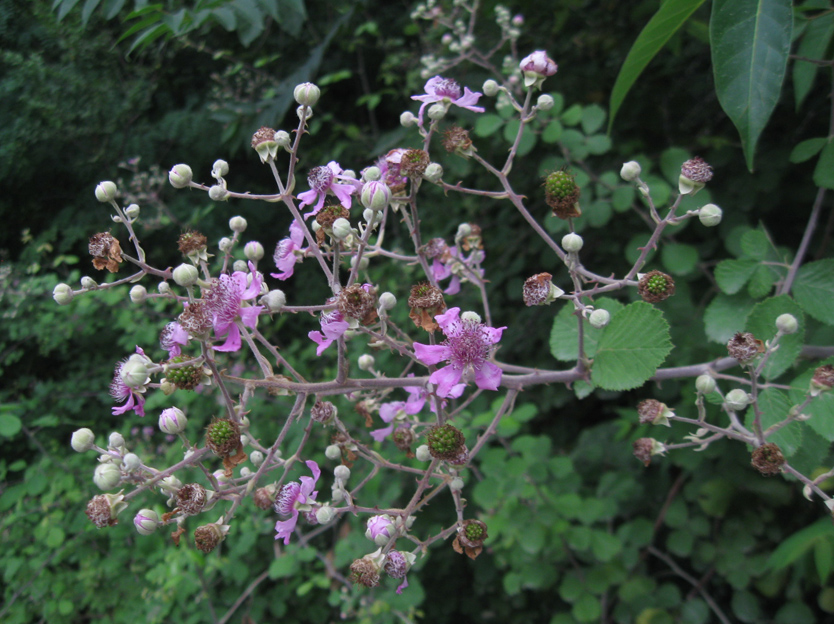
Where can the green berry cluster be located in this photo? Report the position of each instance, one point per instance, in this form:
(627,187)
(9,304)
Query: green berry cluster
(474,532)
(560,184)
(657,284)
(185,378)
(223,437)
(445,441)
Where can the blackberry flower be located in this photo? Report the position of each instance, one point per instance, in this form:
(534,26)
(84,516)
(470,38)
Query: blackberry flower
(225,300)
(288,252)
(293,498)
(447,91)
(323,180)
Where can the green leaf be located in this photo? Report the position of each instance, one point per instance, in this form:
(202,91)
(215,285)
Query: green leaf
(732,275)
(587,608)
(726,315)
(799,543)
(750,43)
(528,138)
(823,554)
(283,566)
(572,116)
(824,171)
(775,407)
(66,7)
(814,43)
(679,258)
(565,331)
(669,18)
(593,116)
(605,546)
(762,324)
(814,290)
(632,346)
(755,244)
(488,125)
(807,149)
(10,425)
(622,198)
(87,11)
(552,133)
(821,409)
(598,144)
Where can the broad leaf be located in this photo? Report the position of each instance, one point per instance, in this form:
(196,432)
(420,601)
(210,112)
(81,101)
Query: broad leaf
(814,290)
(807,149)
(726,315)
(820,409)
(631,348)
(750,42)
(732,275)
(799,543)
(565,331)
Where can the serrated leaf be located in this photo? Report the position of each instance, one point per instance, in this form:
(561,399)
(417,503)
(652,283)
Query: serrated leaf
(814,449)
(565,331)
(725,316)
(775,406)
(814,290)
(631,348)
(814,43)
(750,43)
(755,244)
(762,324)
(732,275)
(671,15)
(762,281)
(807,149)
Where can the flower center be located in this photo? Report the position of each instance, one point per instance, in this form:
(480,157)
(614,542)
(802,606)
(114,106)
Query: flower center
(320,179)
(286,498)
(448,88)
(468,343)
(224,300)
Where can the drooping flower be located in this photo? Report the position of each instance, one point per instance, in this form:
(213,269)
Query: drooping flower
(467,347)
(447,91)
(293,498)
(289,252)
(130,382)
(397,565)
(323,180)
(333,326)
(225,299)
(536,67)
(172,338)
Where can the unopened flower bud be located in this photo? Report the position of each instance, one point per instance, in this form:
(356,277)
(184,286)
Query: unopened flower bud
(705,384)
(132,211)
(116,440)
(363,262)
(306,94)
(237,224)
(106,192)
(407,119)
(107,476)
(131,462)
(180,176)
(138,293)
(274,300)
(737,399)
(366,362)
(146,521)
(164,288)
(253,251)
(572,242)
(240,266)
(225,244)
(172,421)
(218,193)
(186,275)
(342,473)
(134,373)
(630,171)
(256,457)
(545,102)
(787,323)
(536,67)
(433,173)
(490,88)
(371,174)
(82,440)
(219,169)
(437,112)
(387,301)
(423,453)
(88,283)
(456,484)
(333,452)
(376,195)
(304,112)
(341,228)
(599,318)
(325,514)
(62,294)
(710,215)
(283,139)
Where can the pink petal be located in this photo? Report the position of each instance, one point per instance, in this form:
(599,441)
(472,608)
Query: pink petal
(445,379)
(494,333)
(380,434)
(468,101)
(402,585)
(320,340)
(454,286)
(488,377)
(284,528)
(387,411)
(249,315)
(307,198)
(431,354)
(452,315)
(232,339)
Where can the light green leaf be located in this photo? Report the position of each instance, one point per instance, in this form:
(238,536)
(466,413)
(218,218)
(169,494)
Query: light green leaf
(750,43)
(622,198)
(553,131)
(732,275)
(755,244)
(598,144)
(821,409)
(762,324)
(775,407)
(10,425)
(632,346)
(669,18)
(679,258)
(799,543)
(572,115)
(593,116)
(487,125)
(824,171)
(814,290)
(823,554)
(807,149)
(726,315)
(813,45)
(587,608)
(565,331)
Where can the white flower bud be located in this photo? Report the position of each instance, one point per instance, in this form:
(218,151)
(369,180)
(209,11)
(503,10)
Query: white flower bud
(456,484)
(254,251)
(240,266)
(164,288)
(737,399)
(132,211)
(225,244)
(470,316)
(218,193)
(274,300)
(306,94)
(244,440)
(134,374)
(437,112)
(599,318)
(375,195)
(170,484)
(131,462)
(371,174)
(138,293)
(705,384)
(116,440)
(106,192)
(237,224)
(363,263)
(710,215)
(88,283)
(433,173)
(407,119)
(282,138)
(422,453)
(107,476)
(82,440)
(387,301)
(490,88)
(342,473)
(256,457)
(341,228)
(304,112)
(333,452)
(572,242)
(366,362)
(630,171)
(172,421)
(62,294)
(245,471)
(349,173)
(325,514)
(186,275)
(219,169)
(180,176)
(787,324)
(545,102)
(464,230)
(146,521)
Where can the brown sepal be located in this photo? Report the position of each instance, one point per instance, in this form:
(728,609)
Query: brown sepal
(176,535)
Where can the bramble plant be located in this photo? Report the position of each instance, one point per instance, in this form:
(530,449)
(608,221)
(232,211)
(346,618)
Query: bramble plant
(415,359)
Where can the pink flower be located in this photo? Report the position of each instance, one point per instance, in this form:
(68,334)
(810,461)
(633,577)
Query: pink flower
(285,255)
(293,498)
(225,299)
(536,67)
(172,338)
(333,327)
(400,410)
(130,394)
(380,526)
(467,347)
(323,180)
(446,90)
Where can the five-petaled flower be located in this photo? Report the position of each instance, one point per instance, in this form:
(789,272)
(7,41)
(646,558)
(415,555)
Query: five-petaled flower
(225,300)
(288,252)
(447,91)
(467,347)
(293,498)
(323,180)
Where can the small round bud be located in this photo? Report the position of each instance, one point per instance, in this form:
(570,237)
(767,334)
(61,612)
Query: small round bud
(134,374)
(464,230)
(306,94)
(62,294)
(407,119)
(253,251)
(387,301)
(106,192)
(225,244)
(106,476)
(180,176)
(172,421)
(82,440)
(630,171)
(274,300)
(437,112)
(710,215)
(366,362)
(116,440)
(186,275)
(787,324)
(132,211)
(131,462)
(341,228)
(490,88)
(283,139)
(599,318)
(371,174)
(433,173)
(146,521)
(705,384)
(245,472)
(138,293)
(164,288)
(376,195)
(325,514)
(518,20)
(456,484)
(88,283)
(218,193)
(572,242)
(256,457)
(304,112)
(363,262)
(423,453)
(240,266)
(342,473)
(333,452)
(219,169)
(737,399)
(237,224)
(470,317)
(545,102)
